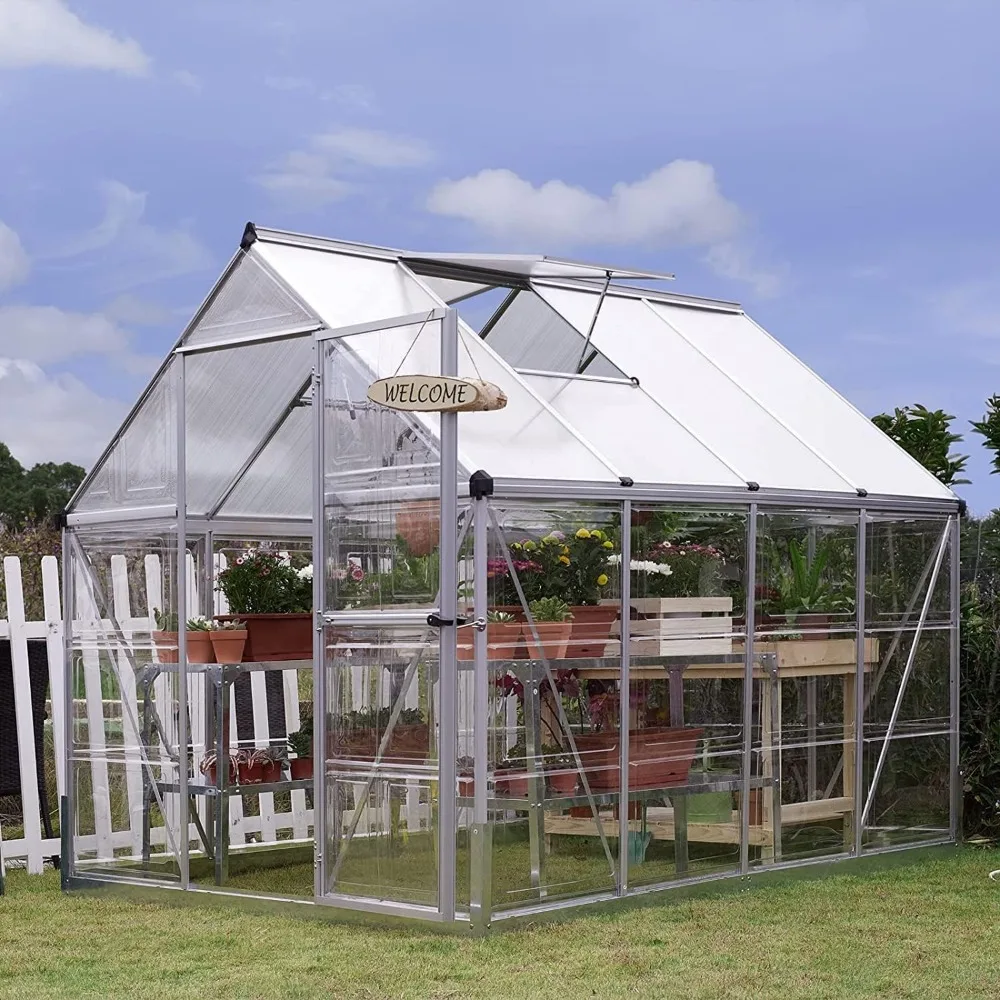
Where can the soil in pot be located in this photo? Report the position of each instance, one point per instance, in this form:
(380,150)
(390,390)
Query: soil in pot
(276,637)
(199,647)
(301,768)
(591,630)
(554,638)
(166,646)
(228,645)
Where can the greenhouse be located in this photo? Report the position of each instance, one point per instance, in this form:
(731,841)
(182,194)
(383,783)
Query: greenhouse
(465,588)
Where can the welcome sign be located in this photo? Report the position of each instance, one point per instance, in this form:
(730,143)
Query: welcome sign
(436,394)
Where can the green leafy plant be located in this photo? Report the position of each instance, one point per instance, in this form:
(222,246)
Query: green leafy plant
(267,755)
(165,621)
(261,582)
(301,741)
(926,435)
(989,428)
(233,625)
(494,617)
(550,609)
(200,624)
(556,757)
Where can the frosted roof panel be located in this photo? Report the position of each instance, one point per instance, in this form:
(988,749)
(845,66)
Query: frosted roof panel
(345,290)
(706,401)
(627,426)
(525,265)
(453,291)
(795,394)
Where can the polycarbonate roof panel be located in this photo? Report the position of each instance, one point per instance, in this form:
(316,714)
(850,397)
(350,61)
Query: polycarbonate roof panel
(345,290)
(710,404)
(525,265)
(624,423)
(451,290)
(515,442)
(797,396)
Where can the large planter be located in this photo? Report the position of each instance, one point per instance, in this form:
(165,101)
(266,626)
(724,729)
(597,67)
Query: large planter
(408,744)
(553,640)
(276,637)
(419,525)
(504,641)
(812,626)
(228,645)
(199,647)
(591,629)
(658,758)
(166,646)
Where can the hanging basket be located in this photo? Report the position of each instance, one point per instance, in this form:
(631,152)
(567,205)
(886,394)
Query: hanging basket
(419,525)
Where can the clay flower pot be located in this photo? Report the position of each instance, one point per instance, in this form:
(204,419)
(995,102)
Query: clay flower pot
(503,642)
(513,784)
(591,630)
(199,647)
(259,772)
(301,768)
(466,787)
(562,782)
(166,646)
(276,637)
(554,638)
(228,644)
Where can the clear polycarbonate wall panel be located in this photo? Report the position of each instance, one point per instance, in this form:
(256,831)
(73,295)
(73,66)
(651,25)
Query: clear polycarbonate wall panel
(234,397)
(531,334)
(381,762)
(141,468)
(279,482)
(911,801)
(687,625)
(656,446)
(553,687)
(250,302)
(799,398)
(695,392)
(125,702)
(344,289)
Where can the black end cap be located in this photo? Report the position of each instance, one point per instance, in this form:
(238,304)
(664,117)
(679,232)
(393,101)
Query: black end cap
(862,492)
(480,485)
(752,486)
(626,481)
(963,507)
(635,381)
(249,236)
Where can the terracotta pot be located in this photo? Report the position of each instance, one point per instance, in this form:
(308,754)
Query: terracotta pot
(166,646)
(554,638)
(408,744)
(756,806)
(503,642)
(301,768)
(634,810)
(514,784)
(419,525)
(228,645)
(199,647)
(466,787)
(276,637)
(591,630)
(260,773)
(580,812)
(562,782)
(640,517)
(813,626)
(658,757)
(213,771)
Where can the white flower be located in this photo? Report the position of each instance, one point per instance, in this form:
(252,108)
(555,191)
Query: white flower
(306,573)
(642,565)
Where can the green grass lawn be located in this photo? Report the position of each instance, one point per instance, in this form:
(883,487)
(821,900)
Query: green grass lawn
(928,930)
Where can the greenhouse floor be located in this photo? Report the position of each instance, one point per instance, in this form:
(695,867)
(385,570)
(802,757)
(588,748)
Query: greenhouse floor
(928,929)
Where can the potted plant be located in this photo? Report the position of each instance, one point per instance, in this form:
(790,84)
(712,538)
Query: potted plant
(358,734)
(229,639)
(274,599)
(511,773)
(560,770)
(553,622)
(587,576)
(210,760)
(301,744)
(503,638)
(165,636)
(466,777)
(261,767)
(199,640)
(807,599)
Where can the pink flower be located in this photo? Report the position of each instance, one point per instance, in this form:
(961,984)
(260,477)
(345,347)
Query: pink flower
(357,574)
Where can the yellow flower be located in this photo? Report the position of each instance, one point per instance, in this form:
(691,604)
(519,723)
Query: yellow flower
(583,533)
(564,560)
(565,550)
(602,580)
(597,533)
(609,545)
(530,546)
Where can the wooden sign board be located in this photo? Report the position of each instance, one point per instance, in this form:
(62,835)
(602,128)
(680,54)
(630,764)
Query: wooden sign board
(436,394)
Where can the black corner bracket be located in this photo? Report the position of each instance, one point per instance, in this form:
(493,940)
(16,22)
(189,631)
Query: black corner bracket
(862,492)
(752,486)
(634,381)
(626,481)
(480,485)
(249,236)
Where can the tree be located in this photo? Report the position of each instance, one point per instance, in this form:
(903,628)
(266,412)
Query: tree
(37,495)
(926,435)
(989,428)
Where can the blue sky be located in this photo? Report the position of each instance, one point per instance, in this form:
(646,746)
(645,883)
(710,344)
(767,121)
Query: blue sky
(833,166)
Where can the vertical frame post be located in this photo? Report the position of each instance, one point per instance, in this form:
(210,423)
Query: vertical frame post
(861,589)
(182,617)
(624,693)
(68,815)
(481,886)
(319,608)
(955,811)
(448,715)
(748,662)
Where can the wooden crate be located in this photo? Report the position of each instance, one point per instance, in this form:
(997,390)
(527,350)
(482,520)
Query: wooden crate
(680,626)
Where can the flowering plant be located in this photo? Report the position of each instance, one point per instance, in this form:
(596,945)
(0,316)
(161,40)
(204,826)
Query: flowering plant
(263,582)
(677,569)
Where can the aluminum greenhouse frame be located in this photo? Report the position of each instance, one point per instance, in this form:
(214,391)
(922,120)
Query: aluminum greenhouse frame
(786,631)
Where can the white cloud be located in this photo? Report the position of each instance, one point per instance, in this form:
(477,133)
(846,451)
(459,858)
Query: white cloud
(326,171)
(186,79)
(48,33)
(44,334)
(53,418)
(14,263)
(677,205)
(131,251)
